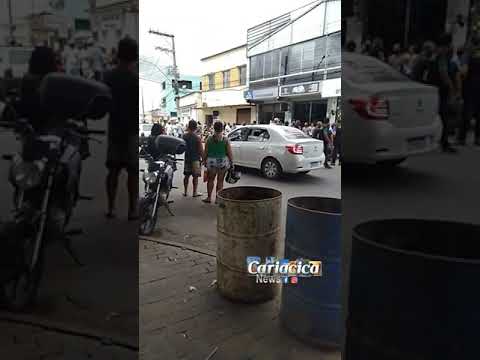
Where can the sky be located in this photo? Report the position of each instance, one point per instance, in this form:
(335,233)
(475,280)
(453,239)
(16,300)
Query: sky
(201,28)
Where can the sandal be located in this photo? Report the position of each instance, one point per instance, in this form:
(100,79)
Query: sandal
(197,195)
(207,201)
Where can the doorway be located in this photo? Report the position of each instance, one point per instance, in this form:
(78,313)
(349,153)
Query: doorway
(310,112)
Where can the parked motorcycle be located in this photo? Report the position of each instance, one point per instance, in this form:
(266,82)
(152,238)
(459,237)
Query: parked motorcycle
(45,175)
(158,180)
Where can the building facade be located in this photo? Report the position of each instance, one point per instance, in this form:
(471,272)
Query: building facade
(294,65)
(223,84)
(113,20)
(186,85)
(49,22)
(191,107)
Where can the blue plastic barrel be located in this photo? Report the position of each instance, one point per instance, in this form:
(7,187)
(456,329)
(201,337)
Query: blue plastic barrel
(311,309)
(414,291)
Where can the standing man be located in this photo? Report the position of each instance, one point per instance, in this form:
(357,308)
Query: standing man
(337,145)
(471,91)
(193,158)
(122,127)
(97,60)
(321,133)
(71,60)
(440,77)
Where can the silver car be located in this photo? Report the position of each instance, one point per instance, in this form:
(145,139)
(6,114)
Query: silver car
(389,117)
(276,149)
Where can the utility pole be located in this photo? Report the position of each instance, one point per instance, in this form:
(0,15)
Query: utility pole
(175,71)
(143,107)
(10,23)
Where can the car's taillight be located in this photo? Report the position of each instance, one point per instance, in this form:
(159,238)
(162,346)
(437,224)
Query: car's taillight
(372,107)
(295,149)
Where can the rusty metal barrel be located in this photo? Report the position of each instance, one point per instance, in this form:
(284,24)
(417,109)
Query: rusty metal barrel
(311,309)
(414,291)
(248,224)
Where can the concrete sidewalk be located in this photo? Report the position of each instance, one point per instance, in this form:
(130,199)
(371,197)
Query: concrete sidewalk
(26,342)
(182,315)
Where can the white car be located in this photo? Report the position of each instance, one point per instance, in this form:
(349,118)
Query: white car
(15,58)
(275,149)
(387,116)
(145,129)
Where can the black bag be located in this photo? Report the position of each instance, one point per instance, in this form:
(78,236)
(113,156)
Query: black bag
(170,145)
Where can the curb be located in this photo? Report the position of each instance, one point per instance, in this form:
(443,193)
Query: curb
(67,329)
(181,245)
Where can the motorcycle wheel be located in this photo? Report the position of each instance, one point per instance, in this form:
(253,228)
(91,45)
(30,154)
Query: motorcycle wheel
(148,220)
(20,291)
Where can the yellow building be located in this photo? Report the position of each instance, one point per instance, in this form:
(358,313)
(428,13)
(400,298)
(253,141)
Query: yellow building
(223,86)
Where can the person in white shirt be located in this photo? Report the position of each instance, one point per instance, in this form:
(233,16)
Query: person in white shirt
(458,29)
(71,60)
(85,62)
(96,57)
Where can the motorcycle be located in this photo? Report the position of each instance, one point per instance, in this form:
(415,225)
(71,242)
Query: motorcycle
(158,180)
(45,175)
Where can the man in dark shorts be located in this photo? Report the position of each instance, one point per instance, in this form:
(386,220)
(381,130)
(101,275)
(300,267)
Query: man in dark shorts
(122,126)
(193,158)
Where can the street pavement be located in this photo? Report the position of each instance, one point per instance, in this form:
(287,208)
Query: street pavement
(96,298)
(195,222)
(182,315)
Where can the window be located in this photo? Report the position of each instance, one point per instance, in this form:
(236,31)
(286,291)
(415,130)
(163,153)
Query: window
(226,79)
(258,135)
(164,85)
(267,65)
(292,133)
(308,56)
(243,74)
(211,81)
(334,50)
(295,59)
(184,84)
(319,57)
(239,135)
(164,102)
(370,70)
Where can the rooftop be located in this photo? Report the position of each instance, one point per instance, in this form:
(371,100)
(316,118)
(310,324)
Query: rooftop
(224,52)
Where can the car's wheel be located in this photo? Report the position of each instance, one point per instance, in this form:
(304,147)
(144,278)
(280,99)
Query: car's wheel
(271,168)
(392,162)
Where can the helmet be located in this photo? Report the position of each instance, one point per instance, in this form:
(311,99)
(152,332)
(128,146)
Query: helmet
(232,175)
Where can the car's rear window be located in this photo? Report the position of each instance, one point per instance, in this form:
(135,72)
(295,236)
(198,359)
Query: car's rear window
(370,70)
(292,133)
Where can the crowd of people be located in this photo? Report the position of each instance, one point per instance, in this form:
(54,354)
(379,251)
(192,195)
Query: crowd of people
(330,134)
(450,65)
(86,59)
